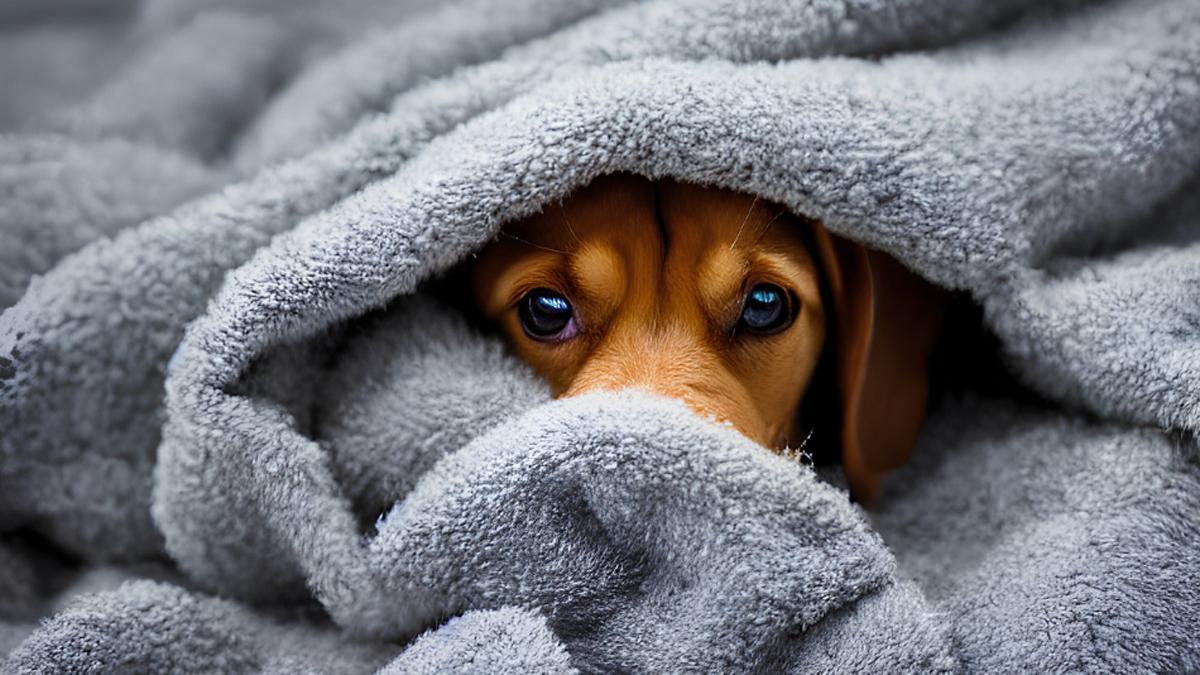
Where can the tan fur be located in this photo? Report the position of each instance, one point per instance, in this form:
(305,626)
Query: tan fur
(657,301)
(657,273)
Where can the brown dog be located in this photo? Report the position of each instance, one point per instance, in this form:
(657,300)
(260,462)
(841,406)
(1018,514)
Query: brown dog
(724,301)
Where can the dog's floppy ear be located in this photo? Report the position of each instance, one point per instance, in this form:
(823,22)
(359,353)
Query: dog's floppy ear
(885,322)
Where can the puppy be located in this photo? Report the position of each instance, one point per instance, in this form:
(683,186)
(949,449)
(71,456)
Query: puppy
(724,301)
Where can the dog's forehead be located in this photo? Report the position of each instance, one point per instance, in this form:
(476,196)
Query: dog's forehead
(631,212)
(714,218)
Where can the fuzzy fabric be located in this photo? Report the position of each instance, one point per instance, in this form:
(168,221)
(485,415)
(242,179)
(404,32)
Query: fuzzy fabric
(231,441)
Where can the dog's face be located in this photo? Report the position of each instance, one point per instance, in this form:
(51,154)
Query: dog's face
(716,298)
(707,296)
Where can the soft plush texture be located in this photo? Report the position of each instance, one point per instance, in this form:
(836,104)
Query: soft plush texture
(230,441)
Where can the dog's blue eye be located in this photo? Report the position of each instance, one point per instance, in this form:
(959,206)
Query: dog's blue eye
(546,315)
(767,309)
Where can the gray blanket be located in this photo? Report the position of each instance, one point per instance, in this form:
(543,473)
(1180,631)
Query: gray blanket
(230,441)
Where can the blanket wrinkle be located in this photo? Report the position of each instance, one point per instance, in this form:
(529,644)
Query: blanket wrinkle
(502,641)
(233,84)
(324,102)
(1085,494)
(220,244)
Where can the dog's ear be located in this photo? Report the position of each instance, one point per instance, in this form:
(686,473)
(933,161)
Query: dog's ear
(885,322)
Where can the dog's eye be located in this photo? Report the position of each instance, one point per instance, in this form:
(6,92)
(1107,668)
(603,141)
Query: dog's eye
(547,315)
(767,309)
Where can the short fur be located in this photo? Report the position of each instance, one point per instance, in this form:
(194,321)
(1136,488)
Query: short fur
(657,273)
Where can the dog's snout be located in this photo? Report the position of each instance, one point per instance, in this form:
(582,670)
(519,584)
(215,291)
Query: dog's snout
(672,366)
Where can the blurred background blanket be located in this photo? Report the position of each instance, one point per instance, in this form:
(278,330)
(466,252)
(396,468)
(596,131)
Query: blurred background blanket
(238,435)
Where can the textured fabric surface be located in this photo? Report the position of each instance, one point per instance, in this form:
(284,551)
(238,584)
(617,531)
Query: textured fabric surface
(230,442)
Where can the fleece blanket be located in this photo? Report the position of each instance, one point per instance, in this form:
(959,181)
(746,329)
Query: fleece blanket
(239,434)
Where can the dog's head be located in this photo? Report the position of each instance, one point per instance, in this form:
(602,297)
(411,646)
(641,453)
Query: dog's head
(722,300)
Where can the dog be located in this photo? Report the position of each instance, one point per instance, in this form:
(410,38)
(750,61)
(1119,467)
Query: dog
(725,301)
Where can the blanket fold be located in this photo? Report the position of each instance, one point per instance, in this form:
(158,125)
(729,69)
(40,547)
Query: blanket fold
(216,347)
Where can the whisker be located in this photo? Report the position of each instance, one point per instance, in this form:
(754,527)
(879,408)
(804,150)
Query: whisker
(530,243)
(745,220)
(767,228)
(567,220)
